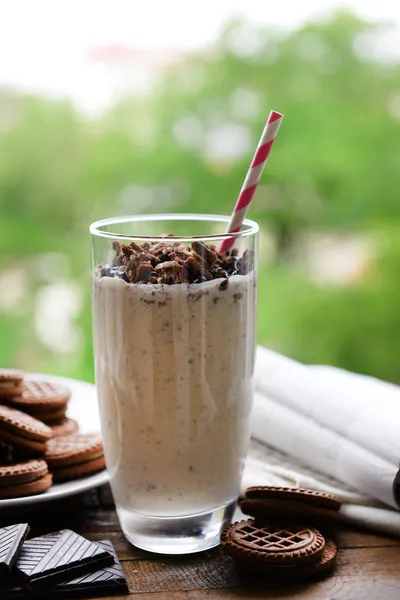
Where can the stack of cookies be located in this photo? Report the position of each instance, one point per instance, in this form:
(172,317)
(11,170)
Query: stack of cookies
(39,444)
(281,540)
(43,400)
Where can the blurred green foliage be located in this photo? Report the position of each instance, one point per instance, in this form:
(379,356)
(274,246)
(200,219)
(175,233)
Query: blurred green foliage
(333,174)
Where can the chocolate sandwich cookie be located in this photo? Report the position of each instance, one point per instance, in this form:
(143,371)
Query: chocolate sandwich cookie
(313,497)
(260,546)
(10,383)
(24,479)
(268,503)
(43,400)
(320,567)
(6,454)
(75,456)
(53,416)
(64,427)
(23,431)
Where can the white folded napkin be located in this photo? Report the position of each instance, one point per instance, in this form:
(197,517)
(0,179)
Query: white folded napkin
(327,422)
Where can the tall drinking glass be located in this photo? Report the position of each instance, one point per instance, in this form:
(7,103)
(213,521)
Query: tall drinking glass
(174,361)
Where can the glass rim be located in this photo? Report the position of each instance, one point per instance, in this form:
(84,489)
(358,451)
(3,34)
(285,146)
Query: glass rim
(95,227)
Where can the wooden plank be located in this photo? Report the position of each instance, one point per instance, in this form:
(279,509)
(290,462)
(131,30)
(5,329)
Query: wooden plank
(350,590)
(179,574)
(361,568)
(346,539)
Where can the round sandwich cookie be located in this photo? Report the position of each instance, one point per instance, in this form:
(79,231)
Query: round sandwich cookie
(260,546)
(51,417)
(43,400)
(23,431)
(75,456)
(320,567)
(10,383)
(6,454)
(308,496)
(283,511)
(24,479)
(64,427)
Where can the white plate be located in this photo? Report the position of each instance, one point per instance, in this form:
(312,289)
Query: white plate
(83,408)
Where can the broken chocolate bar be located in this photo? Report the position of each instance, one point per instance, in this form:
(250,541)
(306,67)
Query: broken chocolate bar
(102,582)
(11,540)
(58,556)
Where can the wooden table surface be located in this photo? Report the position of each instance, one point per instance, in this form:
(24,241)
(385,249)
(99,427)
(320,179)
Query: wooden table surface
(367,565)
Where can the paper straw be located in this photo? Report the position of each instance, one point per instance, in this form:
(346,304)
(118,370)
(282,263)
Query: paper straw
(253,177)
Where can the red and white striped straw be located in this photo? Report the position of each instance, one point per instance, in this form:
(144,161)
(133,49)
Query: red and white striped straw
(253,177)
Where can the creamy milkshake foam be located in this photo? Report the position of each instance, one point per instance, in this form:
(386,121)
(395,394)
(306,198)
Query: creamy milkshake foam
(174,366)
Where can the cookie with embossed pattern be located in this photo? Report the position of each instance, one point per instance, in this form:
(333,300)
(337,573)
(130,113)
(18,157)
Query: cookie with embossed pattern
(260,546)
(43,400)
(24,479)
(75,456)
(311,497)
(10,383)
(23,431)
(287,505)
(64,427)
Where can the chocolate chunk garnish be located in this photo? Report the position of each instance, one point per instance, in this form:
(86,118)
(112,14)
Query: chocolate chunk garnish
(157,248)
(205,252)
(196,270)
(180,252)
(199,258)
(224,285)
(167,267)
(197,263)
(143,271)
(134,246)
(131,269)
(170,272)
(138,268)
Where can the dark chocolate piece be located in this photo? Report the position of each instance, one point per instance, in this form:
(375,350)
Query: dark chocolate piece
(103,582)
(13,591)
(11,540)
(57,556)
(205,253)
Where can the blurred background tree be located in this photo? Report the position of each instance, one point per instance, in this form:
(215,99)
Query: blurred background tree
(328,203)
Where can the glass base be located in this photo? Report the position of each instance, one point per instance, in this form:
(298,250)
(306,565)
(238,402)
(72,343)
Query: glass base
(175,535)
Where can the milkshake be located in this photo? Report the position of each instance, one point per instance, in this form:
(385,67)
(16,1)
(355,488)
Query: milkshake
(174,357)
